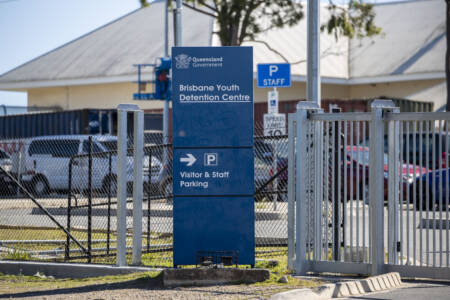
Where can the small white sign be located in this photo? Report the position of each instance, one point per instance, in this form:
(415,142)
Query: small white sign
(272,102)
(274,124)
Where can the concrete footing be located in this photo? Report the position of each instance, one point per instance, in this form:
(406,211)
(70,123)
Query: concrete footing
(67,270)
(212,276)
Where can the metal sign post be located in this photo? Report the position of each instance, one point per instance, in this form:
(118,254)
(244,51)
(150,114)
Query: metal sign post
(213,164)
(122,138)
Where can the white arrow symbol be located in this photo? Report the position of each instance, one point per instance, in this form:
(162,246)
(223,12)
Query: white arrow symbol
(190,159)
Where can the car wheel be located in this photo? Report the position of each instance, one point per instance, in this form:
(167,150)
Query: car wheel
(40,186)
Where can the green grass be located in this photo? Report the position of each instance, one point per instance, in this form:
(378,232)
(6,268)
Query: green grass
(19,251)
(156,259)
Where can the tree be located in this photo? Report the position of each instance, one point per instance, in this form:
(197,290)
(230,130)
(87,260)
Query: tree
(242,20)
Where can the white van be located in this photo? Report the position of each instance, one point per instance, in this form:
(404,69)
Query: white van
(47,161)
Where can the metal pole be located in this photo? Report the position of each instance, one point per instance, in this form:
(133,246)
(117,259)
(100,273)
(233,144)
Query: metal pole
(166,28)
(89,237)
(108,232)
(291,190)
(138,186)
(148,199)
(69,210)
(178,36)
(393,186)
(337,188)
(313,52)
(376,184)
(318,183)
(166,102)
(122,111)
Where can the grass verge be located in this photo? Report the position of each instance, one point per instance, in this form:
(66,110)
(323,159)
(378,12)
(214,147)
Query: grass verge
(12,284)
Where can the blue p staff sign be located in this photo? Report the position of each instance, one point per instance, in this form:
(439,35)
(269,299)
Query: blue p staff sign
(274,75)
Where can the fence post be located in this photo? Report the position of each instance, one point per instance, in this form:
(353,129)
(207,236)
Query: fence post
(291,190)
(138,137)
(90,200)
(393,186)
(318,183)
(108,230)
(122,111)
(69,210)
(300,184)
(336,187)
(376,184)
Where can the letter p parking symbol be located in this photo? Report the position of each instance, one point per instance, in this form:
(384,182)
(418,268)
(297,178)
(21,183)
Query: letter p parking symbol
(273,69)
(211,159)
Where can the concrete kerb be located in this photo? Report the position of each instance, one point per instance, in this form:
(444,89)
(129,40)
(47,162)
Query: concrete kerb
(67,270)
(344,289)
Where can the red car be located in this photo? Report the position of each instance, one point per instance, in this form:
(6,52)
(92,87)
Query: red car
(357,167)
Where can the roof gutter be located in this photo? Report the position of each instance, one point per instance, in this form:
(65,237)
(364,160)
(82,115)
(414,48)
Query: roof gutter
(24,85)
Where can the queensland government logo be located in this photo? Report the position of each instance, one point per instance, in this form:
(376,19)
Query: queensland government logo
(182,61)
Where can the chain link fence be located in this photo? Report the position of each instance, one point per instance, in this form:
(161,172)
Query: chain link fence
(58,199)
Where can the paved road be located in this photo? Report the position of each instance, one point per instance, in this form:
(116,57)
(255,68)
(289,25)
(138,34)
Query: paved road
(413,291)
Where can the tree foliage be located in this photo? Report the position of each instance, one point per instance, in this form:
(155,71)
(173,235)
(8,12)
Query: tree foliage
(242,20)
(355,20)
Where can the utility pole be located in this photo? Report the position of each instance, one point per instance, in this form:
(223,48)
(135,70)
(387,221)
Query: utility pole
(166,102)
(313,54)
(178,36)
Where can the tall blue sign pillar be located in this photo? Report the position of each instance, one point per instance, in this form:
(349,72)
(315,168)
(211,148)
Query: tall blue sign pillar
(213,180)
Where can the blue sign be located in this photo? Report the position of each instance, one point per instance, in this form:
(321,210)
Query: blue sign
(213,163)
(213,171)
(214,97)
(274,75)
(213,224)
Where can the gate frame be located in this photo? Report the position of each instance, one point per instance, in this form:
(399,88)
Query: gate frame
(383,113)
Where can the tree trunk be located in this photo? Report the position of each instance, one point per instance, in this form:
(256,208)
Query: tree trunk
(447,55)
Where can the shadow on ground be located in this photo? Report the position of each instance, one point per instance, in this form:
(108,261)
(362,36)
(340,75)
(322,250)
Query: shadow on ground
(141,283)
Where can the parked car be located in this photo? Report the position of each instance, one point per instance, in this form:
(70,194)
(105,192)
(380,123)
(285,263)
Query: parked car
(358,164)
(424,143)
(429,187)
(6,184)
(5,160)
(47,164)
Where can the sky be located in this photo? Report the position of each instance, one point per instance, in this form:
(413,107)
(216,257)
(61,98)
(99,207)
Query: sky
(29,28)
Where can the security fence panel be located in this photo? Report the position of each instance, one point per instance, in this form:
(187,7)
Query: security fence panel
(34,181)
(419,235)
(271,207)
(370,191)
(158,201)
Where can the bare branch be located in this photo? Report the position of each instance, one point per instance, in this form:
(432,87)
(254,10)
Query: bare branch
(208,6)
(199,10)
(270,48)
(325,53)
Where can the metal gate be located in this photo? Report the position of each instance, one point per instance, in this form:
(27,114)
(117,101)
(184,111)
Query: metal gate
(369,192)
